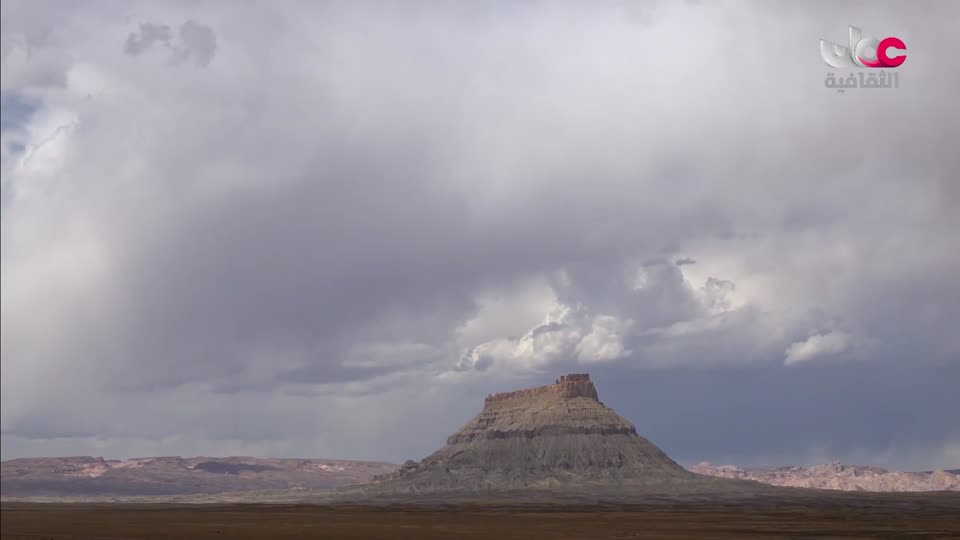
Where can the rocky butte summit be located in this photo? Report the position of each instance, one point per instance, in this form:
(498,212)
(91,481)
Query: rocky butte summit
(558,438)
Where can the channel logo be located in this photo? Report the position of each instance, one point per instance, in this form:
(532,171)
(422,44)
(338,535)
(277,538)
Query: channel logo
(864,52)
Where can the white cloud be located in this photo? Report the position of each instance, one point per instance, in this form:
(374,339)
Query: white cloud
(605,342)
(552,340)
(507,311)
(564,334)
(818,346)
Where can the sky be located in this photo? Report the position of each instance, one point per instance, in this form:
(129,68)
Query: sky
(329,229)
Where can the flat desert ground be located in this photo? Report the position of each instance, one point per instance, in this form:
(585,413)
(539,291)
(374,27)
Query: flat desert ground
(900,516)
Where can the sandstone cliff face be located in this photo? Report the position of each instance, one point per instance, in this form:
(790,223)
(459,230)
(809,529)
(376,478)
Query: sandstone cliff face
(568,407)
(838,477)
(567,386)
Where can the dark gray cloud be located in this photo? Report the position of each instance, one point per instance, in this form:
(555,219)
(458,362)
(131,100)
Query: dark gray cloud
(148,35)
(192,40)
(198,42)
(340,239)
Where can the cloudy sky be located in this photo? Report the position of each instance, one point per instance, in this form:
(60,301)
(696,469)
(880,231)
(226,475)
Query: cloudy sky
(330,229)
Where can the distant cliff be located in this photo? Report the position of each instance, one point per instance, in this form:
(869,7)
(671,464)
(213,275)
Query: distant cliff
(95,476)
(840,477)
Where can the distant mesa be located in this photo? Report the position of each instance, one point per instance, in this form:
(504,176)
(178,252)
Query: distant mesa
(837,476)
(97,477)
(219,467)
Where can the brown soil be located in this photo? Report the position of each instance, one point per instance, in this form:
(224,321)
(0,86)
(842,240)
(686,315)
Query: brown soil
(903,516)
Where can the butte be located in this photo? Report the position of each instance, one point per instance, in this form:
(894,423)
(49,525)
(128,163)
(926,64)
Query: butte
(557,440)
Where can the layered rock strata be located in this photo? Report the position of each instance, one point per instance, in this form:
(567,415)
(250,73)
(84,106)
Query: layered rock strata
(554,436)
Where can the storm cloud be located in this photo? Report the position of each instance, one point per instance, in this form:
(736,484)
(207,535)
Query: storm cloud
(359,219)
